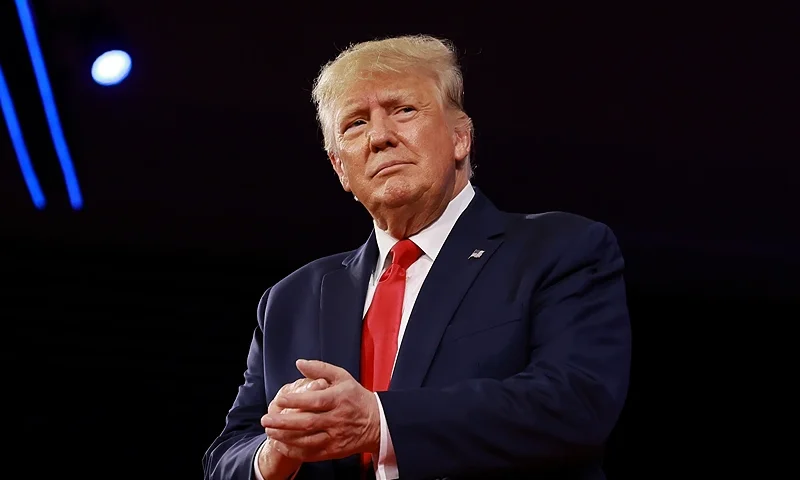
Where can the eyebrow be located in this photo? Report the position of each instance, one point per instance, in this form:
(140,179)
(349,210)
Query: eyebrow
(391,99)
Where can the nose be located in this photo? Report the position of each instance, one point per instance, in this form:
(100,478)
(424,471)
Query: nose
(381,134)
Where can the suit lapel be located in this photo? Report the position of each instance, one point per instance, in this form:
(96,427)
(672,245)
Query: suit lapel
(342,298)
(450,278)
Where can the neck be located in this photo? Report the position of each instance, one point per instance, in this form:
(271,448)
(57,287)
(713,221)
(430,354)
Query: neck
(410,219)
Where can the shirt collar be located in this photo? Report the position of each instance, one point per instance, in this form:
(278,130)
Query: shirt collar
(431,238)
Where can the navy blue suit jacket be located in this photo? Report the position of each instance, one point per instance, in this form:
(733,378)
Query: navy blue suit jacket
(514,364)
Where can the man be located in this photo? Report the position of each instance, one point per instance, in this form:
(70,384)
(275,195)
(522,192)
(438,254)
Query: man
(459,340)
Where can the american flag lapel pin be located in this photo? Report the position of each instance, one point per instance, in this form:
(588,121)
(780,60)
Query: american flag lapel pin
(476,254)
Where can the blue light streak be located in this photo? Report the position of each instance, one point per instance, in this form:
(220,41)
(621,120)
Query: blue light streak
(57,134)
(19,144)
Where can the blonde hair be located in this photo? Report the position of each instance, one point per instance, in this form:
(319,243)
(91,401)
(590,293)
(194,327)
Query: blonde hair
(422,53)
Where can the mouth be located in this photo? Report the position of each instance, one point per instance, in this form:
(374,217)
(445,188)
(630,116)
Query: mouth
(389,167)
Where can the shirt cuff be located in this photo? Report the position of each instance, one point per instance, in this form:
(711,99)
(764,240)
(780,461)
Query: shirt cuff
(386,467)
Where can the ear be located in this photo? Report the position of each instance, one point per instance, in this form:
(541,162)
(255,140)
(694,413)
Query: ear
(336,162)
(462,137)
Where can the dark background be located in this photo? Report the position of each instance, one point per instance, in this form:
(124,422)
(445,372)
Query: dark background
(204,182)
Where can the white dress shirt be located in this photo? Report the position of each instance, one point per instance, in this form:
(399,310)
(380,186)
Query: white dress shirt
(430,241)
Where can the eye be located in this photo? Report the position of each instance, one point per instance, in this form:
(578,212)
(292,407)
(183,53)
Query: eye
(353,124)
(406,110)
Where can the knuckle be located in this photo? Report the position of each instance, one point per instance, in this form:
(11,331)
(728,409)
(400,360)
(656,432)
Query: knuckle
(308,424)
(302,385)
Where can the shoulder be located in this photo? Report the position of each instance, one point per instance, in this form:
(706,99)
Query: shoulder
(306,280)
(562,233)
(557,225)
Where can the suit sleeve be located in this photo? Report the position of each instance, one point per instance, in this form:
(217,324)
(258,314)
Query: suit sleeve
(561,407)
(232,453)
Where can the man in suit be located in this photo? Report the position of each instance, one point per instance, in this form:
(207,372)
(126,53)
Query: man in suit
(459,340)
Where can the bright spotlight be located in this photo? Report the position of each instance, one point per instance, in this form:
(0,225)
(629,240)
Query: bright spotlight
(111,67)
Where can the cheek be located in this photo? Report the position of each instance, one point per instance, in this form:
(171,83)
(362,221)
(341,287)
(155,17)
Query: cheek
(351,162)
(441,150)
(431,141)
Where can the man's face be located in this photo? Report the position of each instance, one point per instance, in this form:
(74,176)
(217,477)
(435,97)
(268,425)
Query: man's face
(396,143)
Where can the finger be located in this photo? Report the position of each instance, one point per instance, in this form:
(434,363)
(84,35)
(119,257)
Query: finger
(267,420)
(314,369)
(298,384)
(307,385)
(311,401)
(300,421)
(264,419)
(302,385)
(290,438)
(319,384)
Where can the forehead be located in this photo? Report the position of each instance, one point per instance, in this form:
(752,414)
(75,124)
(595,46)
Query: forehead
(383,89)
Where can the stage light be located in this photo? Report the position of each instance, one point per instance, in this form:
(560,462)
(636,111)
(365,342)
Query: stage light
(111,67)
(50,110)
(18,142)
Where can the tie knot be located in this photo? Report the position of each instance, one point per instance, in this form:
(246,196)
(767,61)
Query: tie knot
(405,253)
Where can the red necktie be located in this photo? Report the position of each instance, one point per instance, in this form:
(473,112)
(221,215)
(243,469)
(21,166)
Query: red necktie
(382,322)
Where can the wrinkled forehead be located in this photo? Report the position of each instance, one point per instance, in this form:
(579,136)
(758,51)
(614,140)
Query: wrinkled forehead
(381,89)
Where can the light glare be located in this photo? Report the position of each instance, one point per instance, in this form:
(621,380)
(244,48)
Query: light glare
(111,67)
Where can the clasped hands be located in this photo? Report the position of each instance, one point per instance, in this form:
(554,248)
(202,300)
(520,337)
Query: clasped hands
(326,415)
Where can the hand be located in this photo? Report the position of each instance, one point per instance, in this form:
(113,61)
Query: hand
(271,463)
(299,385)
(336,422)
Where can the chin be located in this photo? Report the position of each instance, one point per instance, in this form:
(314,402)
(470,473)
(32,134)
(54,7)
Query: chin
(398,191)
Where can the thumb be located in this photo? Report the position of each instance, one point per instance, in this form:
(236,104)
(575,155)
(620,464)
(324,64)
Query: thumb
(314,369)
